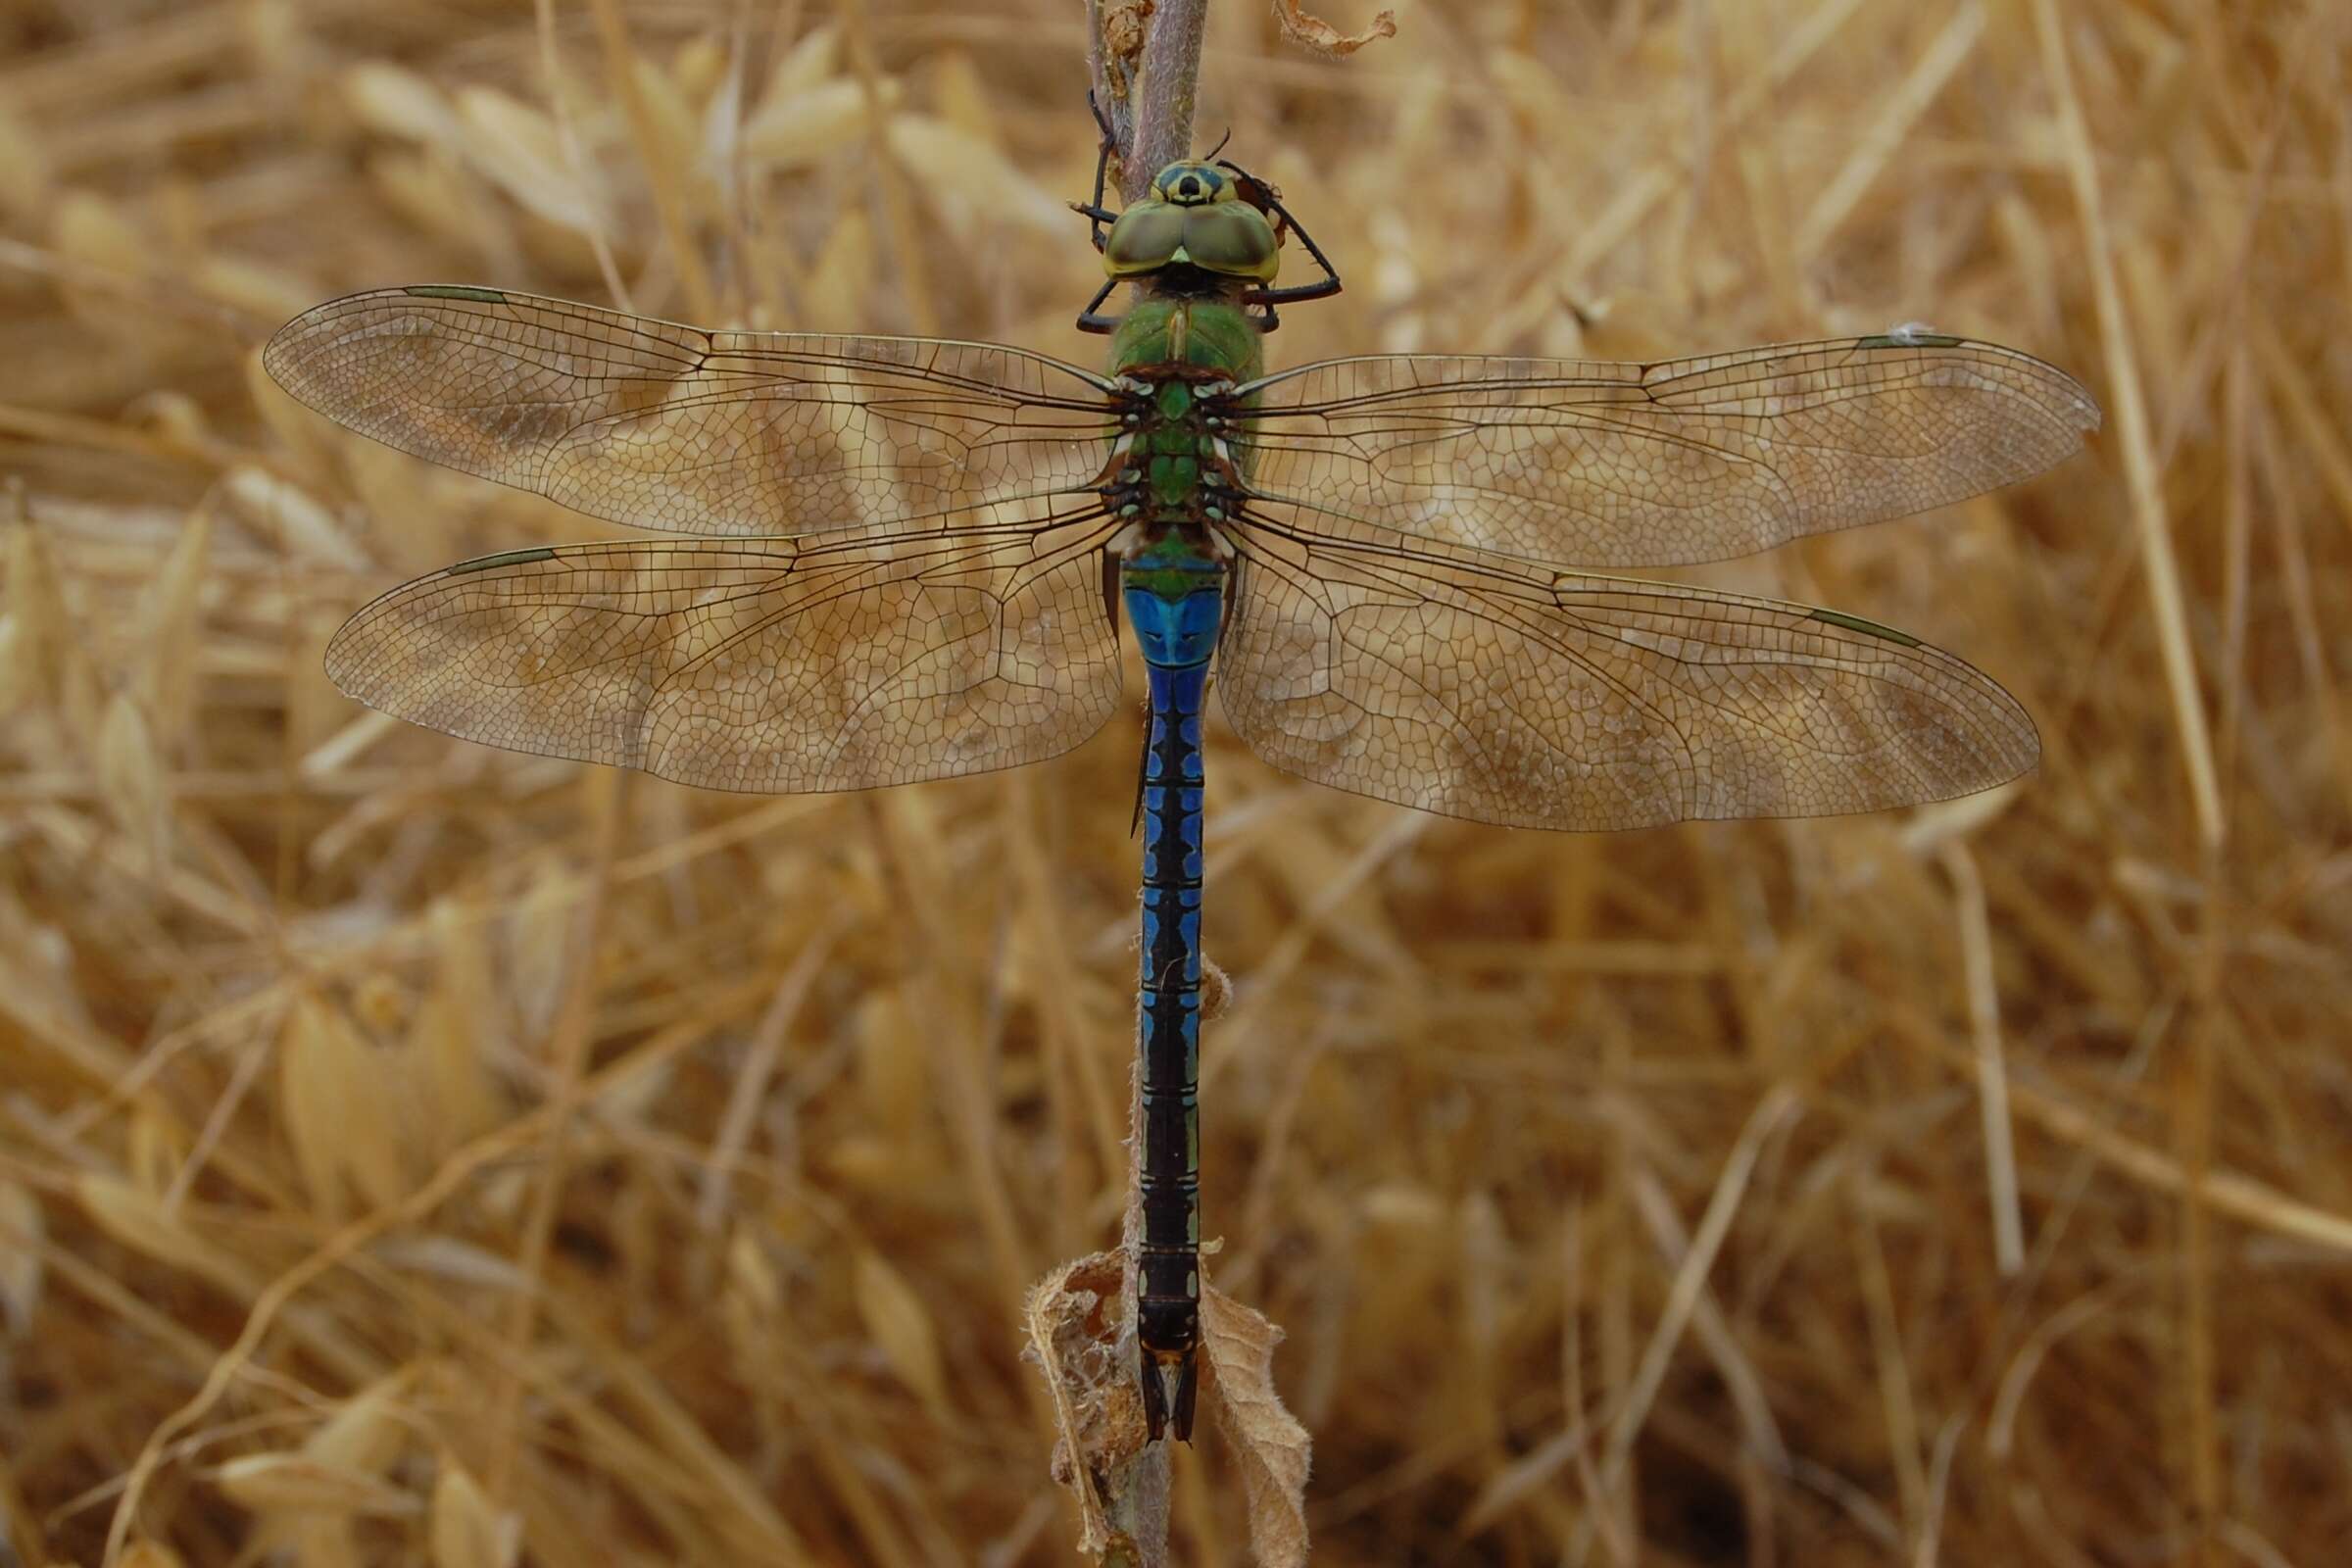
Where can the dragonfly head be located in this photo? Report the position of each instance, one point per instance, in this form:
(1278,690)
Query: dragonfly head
(1196,215)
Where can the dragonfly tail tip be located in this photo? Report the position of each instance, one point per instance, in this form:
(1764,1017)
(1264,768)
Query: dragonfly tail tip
(1169,1385)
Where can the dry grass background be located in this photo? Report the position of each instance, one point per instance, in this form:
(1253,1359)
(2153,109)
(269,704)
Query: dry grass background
(511,1146)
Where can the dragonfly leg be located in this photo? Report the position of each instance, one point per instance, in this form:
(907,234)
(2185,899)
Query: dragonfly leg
(1271,297)
(1268,197)
(1095,213)
(1088,320)
(1322,289)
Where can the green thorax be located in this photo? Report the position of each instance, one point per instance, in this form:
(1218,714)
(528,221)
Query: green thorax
(1211,332)
(1178,441)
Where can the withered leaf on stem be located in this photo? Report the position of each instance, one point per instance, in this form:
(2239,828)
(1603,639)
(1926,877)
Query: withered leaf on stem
(1313,32)
(1270,1444)
(1103,1455)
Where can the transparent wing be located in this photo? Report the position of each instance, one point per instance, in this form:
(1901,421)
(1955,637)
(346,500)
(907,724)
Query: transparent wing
(833,664)
(1490,689)
(672,428)
(1595,463)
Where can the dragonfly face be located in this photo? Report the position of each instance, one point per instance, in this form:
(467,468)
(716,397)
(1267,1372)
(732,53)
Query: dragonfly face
(1196,215)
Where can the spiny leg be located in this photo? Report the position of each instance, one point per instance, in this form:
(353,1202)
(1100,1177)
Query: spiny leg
(1090,319)
(1094,212)
(1265,196)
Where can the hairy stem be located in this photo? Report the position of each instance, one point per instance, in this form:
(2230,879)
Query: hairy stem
(1151,95)
(1150,103)
(1171,91)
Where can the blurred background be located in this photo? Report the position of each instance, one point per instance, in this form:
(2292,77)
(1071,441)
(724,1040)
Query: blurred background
(487,1150)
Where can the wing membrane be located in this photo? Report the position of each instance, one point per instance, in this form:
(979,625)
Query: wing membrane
(1606,465)
(765,665)
(673,429)
(1484,688)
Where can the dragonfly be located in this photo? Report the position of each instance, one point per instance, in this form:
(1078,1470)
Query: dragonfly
(906,559)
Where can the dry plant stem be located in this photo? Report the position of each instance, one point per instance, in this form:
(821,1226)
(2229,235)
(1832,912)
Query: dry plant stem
(748,1094)
(908,241)
(567,132)
(606,790)
(669,202)
(1579,1431)
(1161,130)
(1993,1078)
(2132,426)
(1639,194)
(1171,91)
(507,1142)
(2239,1197)
(1683,1298)
(2168,602)
(1884,139)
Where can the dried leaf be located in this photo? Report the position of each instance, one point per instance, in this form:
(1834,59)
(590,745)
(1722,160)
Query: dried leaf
(699,66)
(155,1148)
(961,94)
(21,1268)
(517,149)
(752,1278)
(17,685)
(289,1483)
(669,121)
(1321,38)
(40,643)
(466,1531)
(845,270)
(794,131)
(367,1431)
(25,168)
(1123,29)
(895,1315)
(1273,1449)
(448,1035)
(254,287)
(897,1057)
(539,929)
(91,229)
(172,415)
(435,195)
(272,35)
(974,186)
(1096,1408)
(172,617)
(344,1109)
(138,1220)
(392,101)
(806,66)
(131,779)
(281,512)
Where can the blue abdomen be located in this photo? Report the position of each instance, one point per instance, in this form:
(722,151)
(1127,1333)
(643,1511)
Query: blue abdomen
(1174,631)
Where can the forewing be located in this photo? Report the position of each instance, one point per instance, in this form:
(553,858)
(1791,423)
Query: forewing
(1599,464)
(771,666)
(673,429)
(1486,689)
